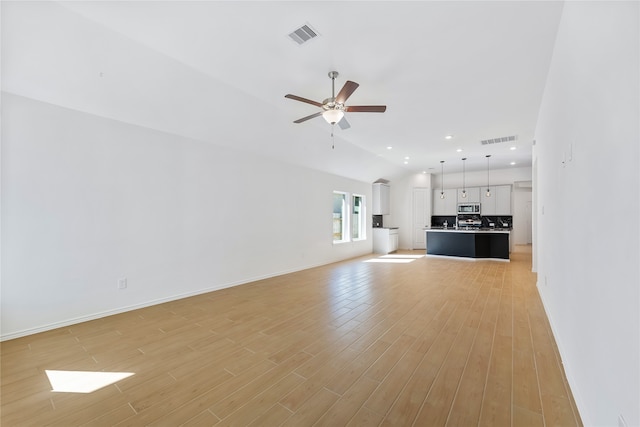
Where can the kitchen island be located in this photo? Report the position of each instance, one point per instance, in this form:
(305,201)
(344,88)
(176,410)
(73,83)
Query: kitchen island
(469,243)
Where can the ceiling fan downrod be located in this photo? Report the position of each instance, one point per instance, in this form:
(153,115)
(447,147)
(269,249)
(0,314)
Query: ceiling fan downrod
(333,75)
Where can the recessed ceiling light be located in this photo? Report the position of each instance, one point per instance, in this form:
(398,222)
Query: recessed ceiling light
(389,147)
(512,163)
(512,148)
(448,137)
(406,162)
(459,150)
(406,158)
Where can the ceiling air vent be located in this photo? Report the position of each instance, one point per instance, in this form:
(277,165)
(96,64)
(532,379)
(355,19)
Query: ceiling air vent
(303,34)
(499,140)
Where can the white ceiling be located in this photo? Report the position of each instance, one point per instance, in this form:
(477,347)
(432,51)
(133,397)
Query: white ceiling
(218,72)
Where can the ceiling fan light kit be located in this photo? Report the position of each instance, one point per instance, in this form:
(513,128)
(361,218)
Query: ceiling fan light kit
(333,116)
(333,107)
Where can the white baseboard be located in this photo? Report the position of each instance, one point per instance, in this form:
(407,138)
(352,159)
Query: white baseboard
(567,369)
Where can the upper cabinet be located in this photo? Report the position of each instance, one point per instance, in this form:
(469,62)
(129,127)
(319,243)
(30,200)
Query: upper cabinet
(381,199)
(473,195)
(503,200)
(446,206)
(499,203)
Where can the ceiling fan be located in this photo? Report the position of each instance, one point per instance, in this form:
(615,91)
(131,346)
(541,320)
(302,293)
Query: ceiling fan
(333,108)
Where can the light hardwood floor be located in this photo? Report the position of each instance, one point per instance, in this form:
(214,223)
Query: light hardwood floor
(431,342)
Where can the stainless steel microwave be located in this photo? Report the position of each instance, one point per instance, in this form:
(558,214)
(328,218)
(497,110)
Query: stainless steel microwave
(469,208)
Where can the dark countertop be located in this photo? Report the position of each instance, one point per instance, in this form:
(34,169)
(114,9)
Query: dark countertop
(469,230)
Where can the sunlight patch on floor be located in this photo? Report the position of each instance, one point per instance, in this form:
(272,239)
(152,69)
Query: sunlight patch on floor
(402,256)
(391,260)
(83,381)
(395,258)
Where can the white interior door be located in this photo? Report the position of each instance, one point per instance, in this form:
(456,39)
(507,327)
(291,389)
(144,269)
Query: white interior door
(421,216)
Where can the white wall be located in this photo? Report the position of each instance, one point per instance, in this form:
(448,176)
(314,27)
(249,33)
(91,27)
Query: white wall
(588,249)
(88,200)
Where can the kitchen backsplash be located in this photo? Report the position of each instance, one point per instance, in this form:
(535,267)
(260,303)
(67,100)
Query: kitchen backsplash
(438,221)
(503,221)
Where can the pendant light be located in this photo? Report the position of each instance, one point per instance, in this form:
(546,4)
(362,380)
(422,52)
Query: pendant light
(464,189)
(442,179)
(488,189)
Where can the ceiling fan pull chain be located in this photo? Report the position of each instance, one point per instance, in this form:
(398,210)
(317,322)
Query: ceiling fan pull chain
(333,145)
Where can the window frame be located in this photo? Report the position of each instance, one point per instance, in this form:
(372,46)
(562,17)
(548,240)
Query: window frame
(358,220)
(344,224)
(348,218)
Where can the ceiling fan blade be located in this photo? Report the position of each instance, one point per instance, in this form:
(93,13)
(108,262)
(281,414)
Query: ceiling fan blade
(346,91)
(304,119)
(366,108)
(344,124)
(301,99)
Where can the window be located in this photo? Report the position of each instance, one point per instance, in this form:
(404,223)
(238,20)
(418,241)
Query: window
(340,217)
(358,217)
(349,222)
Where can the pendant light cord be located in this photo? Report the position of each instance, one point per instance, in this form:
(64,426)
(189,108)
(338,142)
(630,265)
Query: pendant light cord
(488,189)
(442,179)
(464,186)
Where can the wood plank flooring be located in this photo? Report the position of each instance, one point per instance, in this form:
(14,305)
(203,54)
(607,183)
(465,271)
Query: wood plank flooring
(431,342)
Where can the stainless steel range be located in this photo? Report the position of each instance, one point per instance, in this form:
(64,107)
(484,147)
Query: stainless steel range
(465,220)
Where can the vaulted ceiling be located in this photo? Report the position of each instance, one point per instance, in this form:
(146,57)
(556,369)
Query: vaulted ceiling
(218,71)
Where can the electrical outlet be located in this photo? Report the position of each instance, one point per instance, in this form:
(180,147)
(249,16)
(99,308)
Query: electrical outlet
(122,283)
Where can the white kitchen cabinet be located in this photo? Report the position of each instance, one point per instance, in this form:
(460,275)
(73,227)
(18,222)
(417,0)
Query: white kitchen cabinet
(393,240)
(473,195)
(446,206)
(488,204)
(385,240)
(381,199)
(503,200)
(499,203)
